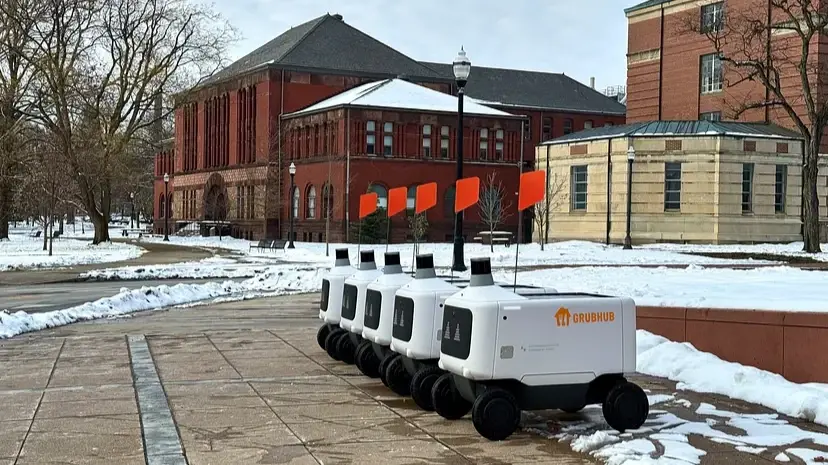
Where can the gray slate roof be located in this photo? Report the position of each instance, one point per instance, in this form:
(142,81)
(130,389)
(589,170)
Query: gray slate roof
(643,5)
(679,129)
(327,42)
(514,87)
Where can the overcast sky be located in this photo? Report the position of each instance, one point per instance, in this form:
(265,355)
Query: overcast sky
(581,38)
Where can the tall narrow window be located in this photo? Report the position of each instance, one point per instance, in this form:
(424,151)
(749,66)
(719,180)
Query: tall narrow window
(747,187)
(567,129)
(484,144)
(712,17)
(444,142)
(387,139)
(295,202)
(499,145)
(371,138)
(311,199)
(711,73)
(578,177)
(781,189)
(251,202)
(711,116)
(427,140)
(672,186)
(547,128)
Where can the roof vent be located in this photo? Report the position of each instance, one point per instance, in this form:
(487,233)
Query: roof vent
(337,17)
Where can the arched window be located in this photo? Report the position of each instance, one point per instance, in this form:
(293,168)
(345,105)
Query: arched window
(382,195)
(170,205)
(295,203)
(327,195)
(412,198)
(162,206)
(449,203)
(310,211)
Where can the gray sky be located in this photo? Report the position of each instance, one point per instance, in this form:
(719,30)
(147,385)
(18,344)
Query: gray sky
(581,38)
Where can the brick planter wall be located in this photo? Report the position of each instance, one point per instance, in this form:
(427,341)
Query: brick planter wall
(792,344)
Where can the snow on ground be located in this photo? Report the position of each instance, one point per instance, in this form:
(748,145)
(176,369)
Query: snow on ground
(23,252)
(768,288)
(793,249)
(212,267)
(277,280)
(559,253)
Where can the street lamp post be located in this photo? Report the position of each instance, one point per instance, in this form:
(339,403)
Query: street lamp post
(131,209)
(292,171)
(462,68)
(630,160)
(166,208)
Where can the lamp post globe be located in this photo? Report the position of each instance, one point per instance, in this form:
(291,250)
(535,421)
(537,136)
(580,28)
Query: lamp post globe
(166,207)
(292,171)
(131,209)
(630,160)
(462,69)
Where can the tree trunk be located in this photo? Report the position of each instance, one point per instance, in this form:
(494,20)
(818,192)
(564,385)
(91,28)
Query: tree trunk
(101,227)
(51,235)
(5,211)
(810,230)
(45,231)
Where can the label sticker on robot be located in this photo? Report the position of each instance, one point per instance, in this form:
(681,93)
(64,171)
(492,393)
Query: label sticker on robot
(563,317)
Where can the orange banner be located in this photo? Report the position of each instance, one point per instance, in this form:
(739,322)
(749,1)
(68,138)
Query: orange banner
(426,197)
(532,189)
(367,204)
(466,194)
(397,198)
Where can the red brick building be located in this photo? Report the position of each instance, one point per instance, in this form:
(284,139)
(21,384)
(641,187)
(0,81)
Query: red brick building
(228,163)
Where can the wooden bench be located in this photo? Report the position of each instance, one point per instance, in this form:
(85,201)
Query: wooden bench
(266,244)
(35,234)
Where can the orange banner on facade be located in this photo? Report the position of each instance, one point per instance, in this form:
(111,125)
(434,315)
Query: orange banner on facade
(426,197)
(532,189)
(367,204)
(466,194)
(397,198)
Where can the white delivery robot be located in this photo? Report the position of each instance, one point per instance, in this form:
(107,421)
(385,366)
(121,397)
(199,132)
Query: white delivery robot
(353,309)
(417,332)
(379,311)
(331,304)
(505,353)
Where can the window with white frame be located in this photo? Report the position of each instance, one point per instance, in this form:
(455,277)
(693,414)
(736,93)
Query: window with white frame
(444,142)
(711,116)
(427,140)
(672,186)
(499,144)
(371,137)
(484,144)
(578,179)
(747,187)
(295,202)
(387,139)
(311,200)
(712,17)
(712,74)
(588,124)
(781,188)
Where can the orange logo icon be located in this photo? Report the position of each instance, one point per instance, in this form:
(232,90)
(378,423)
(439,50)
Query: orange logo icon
(562,316)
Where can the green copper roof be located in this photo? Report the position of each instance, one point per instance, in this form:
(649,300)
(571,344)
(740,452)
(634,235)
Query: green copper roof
(679,129)
(643,5)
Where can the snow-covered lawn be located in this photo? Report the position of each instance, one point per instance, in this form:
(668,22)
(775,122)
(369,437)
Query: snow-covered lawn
(277,280)
(772,288)
(23,252)
(704,373)
(794,249)
(212,267)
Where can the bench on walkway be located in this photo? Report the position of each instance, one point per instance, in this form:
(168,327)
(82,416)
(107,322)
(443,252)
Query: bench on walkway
(35,234)
(266,244)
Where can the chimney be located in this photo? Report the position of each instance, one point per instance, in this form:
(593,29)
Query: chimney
(392,263)
(366,260)
(481,272)
(425,267)
(342,258)
(592,82)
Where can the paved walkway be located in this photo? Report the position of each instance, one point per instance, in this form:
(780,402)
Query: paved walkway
(246,383)
(156,254)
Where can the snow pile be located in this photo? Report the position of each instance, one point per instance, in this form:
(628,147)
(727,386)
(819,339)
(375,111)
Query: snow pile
(23,252)
(213,267)
(703,372)
(275,281)
(768,288)
(793,249)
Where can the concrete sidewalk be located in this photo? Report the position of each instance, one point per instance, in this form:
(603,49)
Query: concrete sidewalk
(246,383)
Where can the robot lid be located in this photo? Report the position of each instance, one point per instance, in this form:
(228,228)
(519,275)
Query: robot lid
(392,273)
(482,287)
(425,278)
(367,270)
(342,265)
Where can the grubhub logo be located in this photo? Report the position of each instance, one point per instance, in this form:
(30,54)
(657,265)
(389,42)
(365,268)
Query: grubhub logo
(563,317)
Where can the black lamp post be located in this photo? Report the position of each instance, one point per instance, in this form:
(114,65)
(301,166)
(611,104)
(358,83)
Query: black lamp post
(292,171)
(630,160)
(166,208)
(131,209)
(462,68)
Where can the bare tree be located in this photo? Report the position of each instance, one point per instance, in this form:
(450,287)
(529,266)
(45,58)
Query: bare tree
(494,209)
(555,197)
(773,42)
(100,66)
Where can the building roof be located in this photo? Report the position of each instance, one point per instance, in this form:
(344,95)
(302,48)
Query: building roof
(399,94)
(679,129)
(533,89)
(644,5)
(329,43)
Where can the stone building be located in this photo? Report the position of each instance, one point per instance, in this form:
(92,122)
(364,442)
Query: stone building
(228,164)
(692,181)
